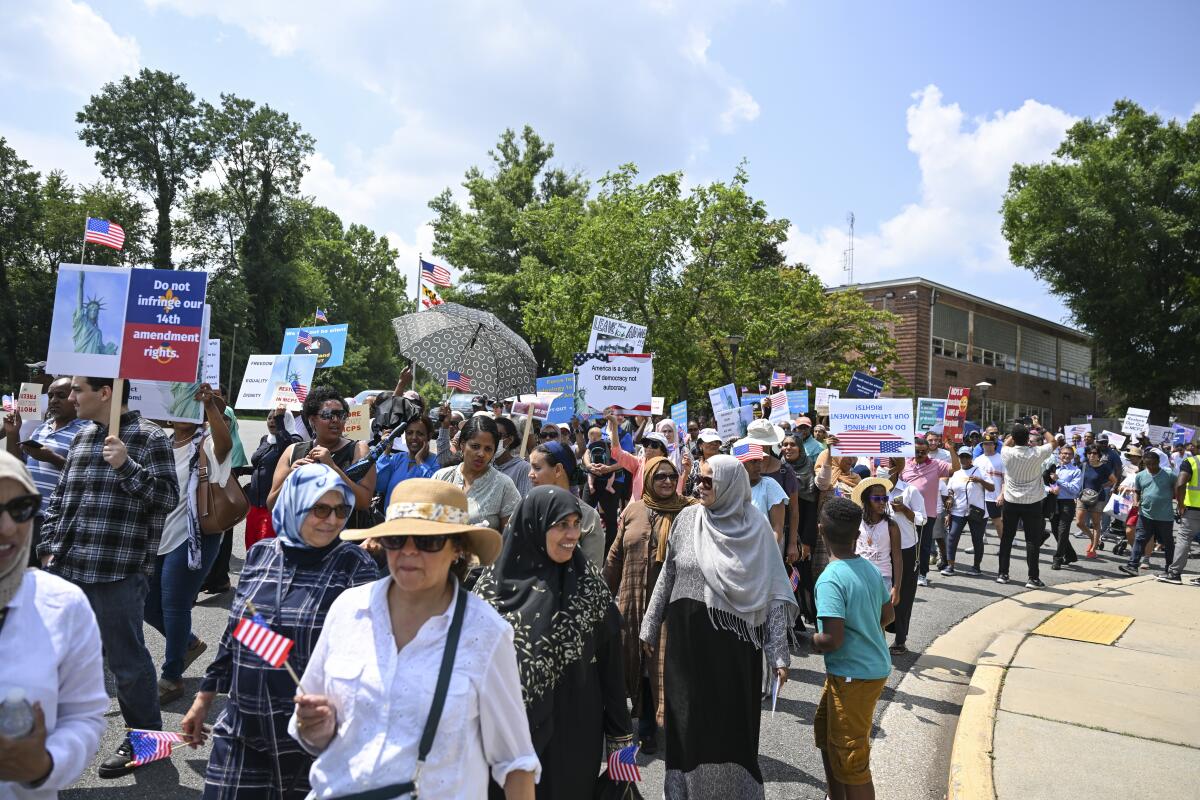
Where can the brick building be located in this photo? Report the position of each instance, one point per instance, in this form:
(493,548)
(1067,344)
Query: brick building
(950,338)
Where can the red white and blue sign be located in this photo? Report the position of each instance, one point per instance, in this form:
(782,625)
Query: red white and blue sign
(164,325)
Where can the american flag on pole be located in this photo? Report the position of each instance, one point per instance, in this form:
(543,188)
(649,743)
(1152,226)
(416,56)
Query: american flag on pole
(807,383)
(300,389)
(622,765)
(747,452)
(870,443)
(780,379)
(458,381)
(320,315)
(152,745)
(262,641)
(101,231)
(435,273)
(761,388)
(304,337)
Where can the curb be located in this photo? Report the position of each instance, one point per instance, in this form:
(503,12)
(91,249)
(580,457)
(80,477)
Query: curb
(971,759)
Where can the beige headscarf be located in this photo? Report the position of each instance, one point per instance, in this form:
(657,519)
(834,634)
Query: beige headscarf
(11,577)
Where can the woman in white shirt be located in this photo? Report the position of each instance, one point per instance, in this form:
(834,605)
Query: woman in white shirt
(967,504)
(185,554)
(52,657)
(367,692)
(878,535)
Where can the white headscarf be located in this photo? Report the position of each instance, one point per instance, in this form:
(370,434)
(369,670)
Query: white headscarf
(11,578)
(738,556)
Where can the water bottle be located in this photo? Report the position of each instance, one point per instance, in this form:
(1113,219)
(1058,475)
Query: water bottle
(16,714)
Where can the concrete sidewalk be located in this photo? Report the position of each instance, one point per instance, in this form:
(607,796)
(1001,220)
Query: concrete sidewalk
(1095,693)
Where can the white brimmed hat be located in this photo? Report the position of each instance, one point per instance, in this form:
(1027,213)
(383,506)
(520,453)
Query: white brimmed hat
(764,432)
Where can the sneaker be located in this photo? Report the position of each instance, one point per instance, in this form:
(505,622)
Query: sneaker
(1082,535)
(1171,577)
(922,580)
(974,570)
(941,564)
(1194,581)
(193,652)
(1034,583)
(169,691)
(1056,564)
(948,570)
(117,765)
(1001,579)
(1146,562)
(1127,569)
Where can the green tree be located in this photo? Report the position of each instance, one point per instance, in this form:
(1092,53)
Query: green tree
(20,217)
(147,133)
(1112,225)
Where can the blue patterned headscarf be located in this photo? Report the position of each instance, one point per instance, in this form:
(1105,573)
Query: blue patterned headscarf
(302,488)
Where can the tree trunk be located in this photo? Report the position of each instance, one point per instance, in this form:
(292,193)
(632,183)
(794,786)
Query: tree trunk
(162,231)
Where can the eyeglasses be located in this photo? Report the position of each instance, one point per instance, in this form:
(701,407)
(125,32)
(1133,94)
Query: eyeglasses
(329,413)
(550,434)
(877,498)
(665,477)
(323,510)
(426,544)
(22,508)
(705,481)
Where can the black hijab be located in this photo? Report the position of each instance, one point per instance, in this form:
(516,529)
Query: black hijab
(554,608)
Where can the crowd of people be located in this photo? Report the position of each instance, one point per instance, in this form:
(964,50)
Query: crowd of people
(478,605)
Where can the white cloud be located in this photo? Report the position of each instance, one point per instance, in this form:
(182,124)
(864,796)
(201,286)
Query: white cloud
(952,232)
(412,247)
(49,151)
(742,108)
(62,44)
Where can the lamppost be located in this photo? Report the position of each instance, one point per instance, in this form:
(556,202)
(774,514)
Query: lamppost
(734,342)
(983,387)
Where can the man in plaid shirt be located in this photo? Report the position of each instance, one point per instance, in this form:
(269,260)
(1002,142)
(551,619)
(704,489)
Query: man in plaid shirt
(101,532)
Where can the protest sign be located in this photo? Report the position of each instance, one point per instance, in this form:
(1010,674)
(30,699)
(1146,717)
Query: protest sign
(1182,434)
(557,384)
(561,409)
(326,342)
(750,398)
(164,320)
(656,406)
(28,402)
(264,373)
(537,405)
(956,413)
(9,404)
(175,401)
(212,363)
(1071,431)
(1159,434)
(883,427)
(745,417)
(616,336)
(823,397)
(728,423)
(679,415)
(87,325)
(1114,439)
(358,424)
(723,398)
(624,382)
(797,402)
(780,412)
(930,412)
(1136,420)
(864,385)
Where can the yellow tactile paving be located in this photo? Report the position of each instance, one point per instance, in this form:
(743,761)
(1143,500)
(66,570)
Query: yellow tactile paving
(1084,626)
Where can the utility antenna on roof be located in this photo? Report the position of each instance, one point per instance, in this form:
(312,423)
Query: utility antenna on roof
(848,253)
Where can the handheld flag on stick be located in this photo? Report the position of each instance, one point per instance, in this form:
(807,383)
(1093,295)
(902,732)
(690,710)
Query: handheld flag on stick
(101,231)
(456,380)
(320,315)
(794,578)
(779,379)
(622,765)
(152,745)
(265,643)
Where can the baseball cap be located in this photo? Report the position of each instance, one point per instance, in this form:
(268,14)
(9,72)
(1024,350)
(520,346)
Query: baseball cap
(658,439)
(708,435)
(964,451)
(804,421)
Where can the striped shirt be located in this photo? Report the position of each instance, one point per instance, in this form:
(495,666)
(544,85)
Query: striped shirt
(1023,473)
(58,440)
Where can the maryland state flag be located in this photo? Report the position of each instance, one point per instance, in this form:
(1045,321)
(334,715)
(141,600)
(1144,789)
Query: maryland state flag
(430,297)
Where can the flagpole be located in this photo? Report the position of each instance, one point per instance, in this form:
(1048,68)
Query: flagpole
(83,250)
(412,362)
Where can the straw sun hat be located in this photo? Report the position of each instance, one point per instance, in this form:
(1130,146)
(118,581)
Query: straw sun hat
(425,507)
(862,486)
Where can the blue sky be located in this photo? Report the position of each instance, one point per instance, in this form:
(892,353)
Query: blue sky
(908,114)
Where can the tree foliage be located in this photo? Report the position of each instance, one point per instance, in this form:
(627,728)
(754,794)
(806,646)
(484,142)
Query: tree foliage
(1112,224)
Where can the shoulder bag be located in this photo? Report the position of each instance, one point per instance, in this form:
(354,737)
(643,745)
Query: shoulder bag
(219,507)
(411,788)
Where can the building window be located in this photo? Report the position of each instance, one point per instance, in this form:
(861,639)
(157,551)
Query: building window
(948,348)
(990,358)
(1038,370)
(1076,379)
(1044,415)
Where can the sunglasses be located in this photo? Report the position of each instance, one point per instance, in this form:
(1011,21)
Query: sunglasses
(426,544)
(323,510)
(666,477)
(705,481)
(877,498)
(328,414)
(22,508)
(549,434)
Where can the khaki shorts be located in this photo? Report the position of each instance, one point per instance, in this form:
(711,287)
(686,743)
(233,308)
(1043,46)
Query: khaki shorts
(842,726)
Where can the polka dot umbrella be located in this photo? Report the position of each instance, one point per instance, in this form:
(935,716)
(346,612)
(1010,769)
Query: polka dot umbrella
(454,338)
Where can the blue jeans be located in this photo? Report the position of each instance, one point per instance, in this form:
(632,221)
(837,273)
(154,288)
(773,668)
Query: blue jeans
(118,607)
(956,528)
(926,546)
(1147,529)
(173,591)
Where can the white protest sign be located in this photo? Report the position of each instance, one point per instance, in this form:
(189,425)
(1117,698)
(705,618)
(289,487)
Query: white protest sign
(1114,439)
(538,404)
(656,406)
(779,408)
(881,427)
(1136,420)
(823,397)
(723,398)
(728,423)
(616,336)
(212,363)
(1071,431)
(624,382)
(263,373)
(28,400)
(358,424)
(1159,434)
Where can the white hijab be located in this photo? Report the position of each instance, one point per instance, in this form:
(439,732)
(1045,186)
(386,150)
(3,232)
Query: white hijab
(738,556)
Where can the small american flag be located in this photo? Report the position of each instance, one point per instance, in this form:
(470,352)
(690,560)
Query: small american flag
(780,379)
(101,231)
(152,745)
(873,443)
(762,388)
(794,578)
(262,641)
(747,452)
(807,383)
(304,337)
(301,390)
(435,274)
(622,765)
(872,369)
(458,381)
(320,315)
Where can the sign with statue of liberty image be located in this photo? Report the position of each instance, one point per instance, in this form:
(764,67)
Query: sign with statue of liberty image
(175,401)
(88,322)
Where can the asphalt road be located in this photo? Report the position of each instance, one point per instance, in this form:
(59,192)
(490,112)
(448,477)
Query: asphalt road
(790,764)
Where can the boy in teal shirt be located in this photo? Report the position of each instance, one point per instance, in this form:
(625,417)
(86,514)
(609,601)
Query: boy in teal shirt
(853,606)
